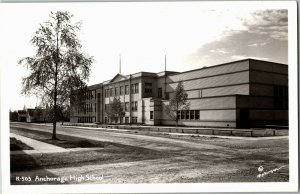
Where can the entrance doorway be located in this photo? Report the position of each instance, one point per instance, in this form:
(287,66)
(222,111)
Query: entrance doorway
(244,118)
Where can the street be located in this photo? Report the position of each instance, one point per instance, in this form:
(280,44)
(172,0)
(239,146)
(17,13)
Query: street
(184,160)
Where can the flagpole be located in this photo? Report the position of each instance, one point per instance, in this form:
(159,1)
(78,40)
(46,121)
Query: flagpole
(120,63)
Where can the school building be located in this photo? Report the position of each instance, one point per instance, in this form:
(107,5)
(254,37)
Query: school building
(241,94)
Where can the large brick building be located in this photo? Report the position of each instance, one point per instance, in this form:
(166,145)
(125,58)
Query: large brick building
(237,94)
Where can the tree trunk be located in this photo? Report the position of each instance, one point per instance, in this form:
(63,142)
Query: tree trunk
(55,107)
(55,86)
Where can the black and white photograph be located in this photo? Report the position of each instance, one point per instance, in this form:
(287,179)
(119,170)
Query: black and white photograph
(149,97)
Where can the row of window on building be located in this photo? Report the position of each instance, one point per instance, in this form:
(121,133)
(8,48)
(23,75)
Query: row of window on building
(121,120)
(89,94)
(134,106)
(184,115)
(120,90)
(87,108)
(86,119)
(188,115)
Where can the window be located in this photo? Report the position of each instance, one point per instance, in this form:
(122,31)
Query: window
(106,107)
(110,92)
(148,90)
(182,114)
(126,120)
(116,91)
(132,88)
(126,89)
(133,119)
(197,114)
(159,92)
(121,120)
(281,97)
(178,115)
(121,90)
(148,84)
(151,115)
(126,106)
(192,114)
(167,95)
(95,108)
(134,106)
(105,120)
(187,115)
(136,88)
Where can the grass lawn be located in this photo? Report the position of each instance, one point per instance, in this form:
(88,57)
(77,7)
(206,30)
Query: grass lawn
(62,141)
(111,153)
(16,145)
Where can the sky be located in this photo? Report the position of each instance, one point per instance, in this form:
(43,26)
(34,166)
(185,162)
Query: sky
(191,34)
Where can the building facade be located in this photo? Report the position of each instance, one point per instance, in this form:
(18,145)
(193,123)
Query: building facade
(33,115)
(240,94)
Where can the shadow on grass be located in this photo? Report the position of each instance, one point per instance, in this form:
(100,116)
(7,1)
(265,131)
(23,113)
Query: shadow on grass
(61,141)
(21,164)
(111,153)
(18,145)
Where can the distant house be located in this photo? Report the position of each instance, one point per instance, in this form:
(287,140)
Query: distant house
(22,115)
(32,115)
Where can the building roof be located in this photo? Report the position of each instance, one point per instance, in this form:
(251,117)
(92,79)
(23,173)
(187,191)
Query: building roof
(120,77)
(21,111)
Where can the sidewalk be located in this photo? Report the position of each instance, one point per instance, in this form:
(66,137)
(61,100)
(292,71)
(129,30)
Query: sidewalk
(38,146)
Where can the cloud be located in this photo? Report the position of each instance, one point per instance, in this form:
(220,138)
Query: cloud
(240,57)
(220,50)
(265,37)
(257,44)
(271,22)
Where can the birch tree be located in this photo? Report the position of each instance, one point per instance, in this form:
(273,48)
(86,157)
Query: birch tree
(59,68)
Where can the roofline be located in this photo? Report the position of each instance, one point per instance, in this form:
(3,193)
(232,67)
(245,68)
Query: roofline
(212,66)
(228,63)
(128,76)
(268,61)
